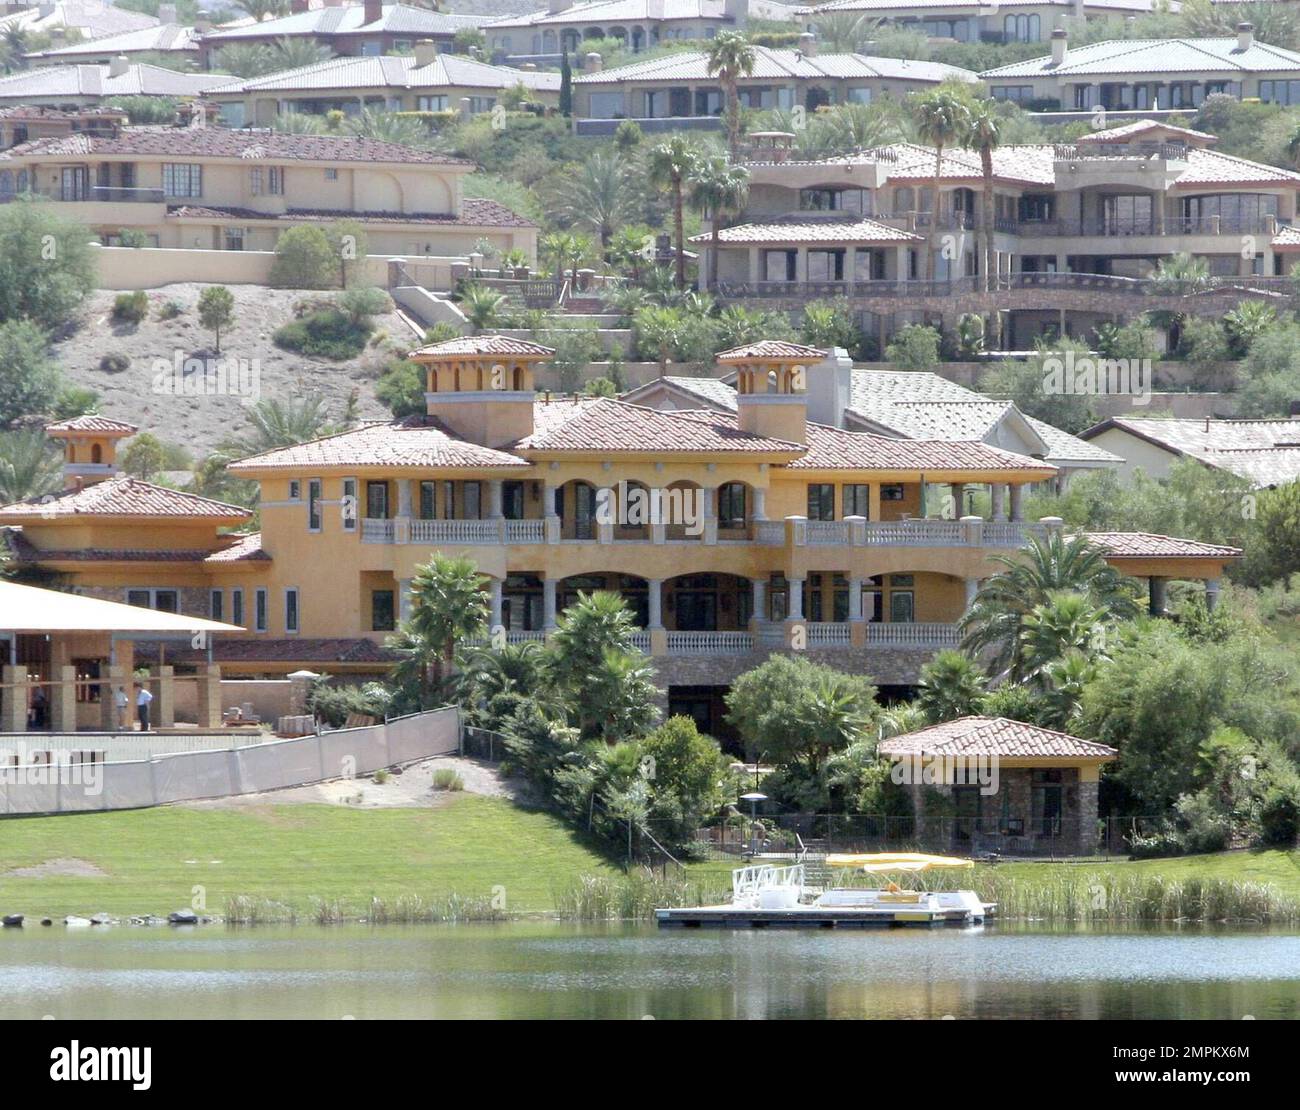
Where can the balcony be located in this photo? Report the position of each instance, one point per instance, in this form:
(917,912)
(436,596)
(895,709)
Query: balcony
(1133,228)
(104,194)
(919,634)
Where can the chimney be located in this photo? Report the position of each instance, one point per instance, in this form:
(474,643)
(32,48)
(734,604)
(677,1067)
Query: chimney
(296,7)
(593,63)
(167,14)
(772,398)
(808,44)
(203,22)
(1060,46)
(118,65)
(374,11)
(1245,36)
(426,51)
(829,385)
(737,11)
(557,6)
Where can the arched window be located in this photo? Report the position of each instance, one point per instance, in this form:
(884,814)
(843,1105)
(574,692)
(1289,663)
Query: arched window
(96,453)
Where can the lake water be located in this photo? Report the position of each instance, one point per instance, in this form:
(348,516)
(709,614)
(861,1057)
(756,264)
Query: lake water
(549,970)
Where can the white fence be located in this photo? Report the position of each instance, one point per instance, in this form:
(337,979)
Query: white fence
(191,776)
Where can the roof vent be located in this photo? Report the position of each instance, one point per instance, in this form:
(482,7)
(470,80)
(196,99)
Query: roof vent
(426,52)
(808,45)
(118,65)
(1060,46)
(1245,36)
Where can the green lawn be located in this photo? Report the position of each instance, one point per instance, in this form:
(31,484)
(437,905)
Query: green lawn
(291,854)
(1282,869)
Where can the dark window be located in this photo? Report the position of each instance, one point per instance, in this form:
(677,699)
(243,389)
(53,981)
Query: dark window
(731,505)
(313,504)
(259,610)
(857,500)
(291,610)
(512,500)
(216,605)
(473,500)
(237,607)
(377,500)
(821,501)
(891,493)
(427,503)
(381,611)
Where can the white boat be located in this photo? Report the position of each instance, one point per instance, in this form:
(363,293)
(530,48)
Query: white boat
(764,895)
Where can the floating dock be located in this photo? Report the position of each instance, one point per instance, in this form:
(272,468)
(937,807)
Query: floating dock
(809,917)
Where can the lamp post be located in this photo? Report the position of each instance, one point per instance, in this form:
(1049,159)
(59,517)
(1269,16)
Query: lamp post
(753,798)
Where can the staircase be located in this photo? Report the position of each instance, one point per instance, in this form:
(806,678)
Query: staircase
(817,877)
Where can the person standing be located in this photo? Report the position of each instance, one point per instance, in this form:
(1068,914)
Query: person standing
(121,703)
(142,700)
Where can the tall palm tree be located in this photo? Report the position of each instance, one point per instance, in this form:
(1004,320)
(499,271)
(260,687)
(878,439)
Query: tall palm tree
(669,166)
(600,196)
(718,189)
(276,422)
(1065,623)
(950,687)
(730,57)
(299,52)
(942,117)
(30,466)
(597,622)
(983,134)
(371,123)
(993,622)
(448,606)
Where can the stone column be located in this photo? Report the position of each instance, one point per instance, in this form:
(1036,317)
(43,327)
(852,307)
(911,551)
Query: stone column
(972,588)
(13,710)
(760,503)
(708,504)
(403,599)
(404,498)
(163,710)
(760,601)
(1017,502)
(998,495)
(1086,843)
(548,603)
(551,521)
(796,599)
(494,602)
(495,510)
(654,606)
(300,683)
(63,700)
(209,695)
(957,490)
(857,625)
(1211,594)
(1156,603)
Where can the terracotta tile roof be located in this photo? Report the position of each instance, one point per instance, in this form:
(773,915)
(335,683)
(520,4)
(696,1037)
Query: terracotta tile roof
(220,142)
(474,212)
(1182,55)
(247,548)
(92,423)
(815,229)
(1127,131)
(1263,452)
(349,19)
(416,441)
(777,64)
(289,649)
(1287,239)
(398,72)
(995,737)
(1144,545)
(713,392)
(615,426)
(123,496)
(482,345)
(835,449)
(96,81)
(775,349)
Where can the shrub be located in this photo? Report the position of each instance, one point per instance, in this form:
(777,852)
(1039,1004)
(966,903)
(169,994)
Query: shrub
(170,310)
(304,259)
(363,302)
(915,347)
(325,333)
(114,362)
(446,779)
(331,704)
(401,388)
(131,308)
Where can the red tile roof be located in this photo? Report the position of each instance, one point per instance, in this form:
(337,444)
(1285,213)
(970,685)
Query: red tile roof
(482,345)
(835,449)
(775,349)
(247,548)
(124,497)
(92,423)
(1145,545)
(805,229)
(474,212)
(615,426)
(995,737)
(220,142)
(416,441)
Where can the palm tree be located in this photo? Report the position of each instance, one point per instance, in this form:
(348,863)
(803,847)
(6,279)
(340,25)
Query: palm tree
(617,699)
(299,52)
(851,127)
(1181,273)
(596,623)
(942,117)
(388,127)
(300,123)
(1063,624)
(983,133)
(669,165)
(718,189)
(263,9)
(14,47)
(832,716)
(662,328)
(482,306)
(448,606)
(30,466)
(1246,323)
(730,57)
(246,60)
(845,32)
(950,687)
(277,422)
(600,196)
(993,622)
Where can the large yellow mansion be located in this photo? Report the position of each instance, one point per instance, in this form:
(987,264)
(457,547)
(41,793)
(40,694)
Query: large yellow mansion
(731,535)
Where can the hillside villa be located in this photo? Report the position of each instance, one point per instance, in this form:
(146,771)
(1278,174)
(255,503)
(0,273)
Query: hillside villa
(1079,230)
(780,530)
(68,87)
(209,188)
(425,81)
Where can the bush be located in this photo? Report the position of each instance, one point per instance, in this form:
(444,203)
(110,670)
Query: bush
(29,380)
(363,302)
(401,388)
(304,259)
(331,704)
(170,310)
(446,779)
(915,347)
(325,333)
(114,362)
(131,307)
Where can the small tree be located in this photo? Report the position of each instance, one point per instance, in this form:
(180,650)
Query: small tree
(915,347)
(304,259)
(950,687)
(348,241)
(46,267)
(144,457)
(566,86)
(449,606)
(216,311)
(29,380)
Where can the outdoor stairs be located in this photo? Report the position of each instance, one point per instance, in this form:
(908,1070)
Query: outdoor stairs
(584,306)
(817,877)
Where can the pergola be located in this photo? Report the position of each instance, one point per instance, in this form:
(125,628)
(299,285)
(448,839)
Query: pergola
(65,653)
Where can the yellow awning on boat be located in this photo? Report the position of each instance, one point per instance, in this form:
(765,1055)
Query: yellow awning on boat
(896,861)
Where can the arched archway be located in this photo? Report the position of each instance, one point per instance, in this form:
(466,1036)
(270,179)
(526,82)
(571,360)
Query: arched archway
(575,505)
(707,603)
(633,589)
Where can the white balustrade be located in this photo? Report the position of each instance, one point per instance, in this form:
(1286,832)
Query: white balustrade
(770,533)
(710,643)
(827,533)
(828,633)
(917,634)
(641,642)
(374,530)
(456,531)
(525,531)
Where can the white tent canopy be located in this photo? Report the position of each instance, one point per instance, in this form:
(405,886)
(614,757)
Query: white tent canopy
(28,609)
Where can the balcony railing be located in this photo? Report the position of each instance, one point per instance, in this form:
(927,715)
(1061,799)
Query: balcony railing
(1152,226)
(455,531)
(828,634)
(710,643)
(110,194)
(917,634)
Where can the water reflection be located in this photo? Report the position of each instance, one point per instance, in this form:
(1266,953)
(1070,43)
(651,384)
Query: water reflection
(548,970)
